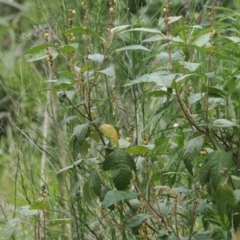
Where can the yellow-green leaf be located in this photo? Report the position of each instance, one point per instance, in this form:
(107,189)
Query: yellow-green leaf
(110,132)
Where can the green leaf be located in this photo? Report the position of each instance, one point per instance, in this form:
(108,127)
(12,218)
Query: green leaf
(121,177)
(39,206)
(202,40)
(237,195)
(117,157)
(176,56)
(68,119)
(110,72)
(43,55)
(223,196)
(140,149)
(121,165)
(154,38)
(138,219)
(10,227)
(217,161)
(161,78)
(26,211)
(88,195)
(56,222)
(195,97)
(191,150)
(67,49)
(75,186)
(191,66)
(151,30)
(115,196)
(82,30)
(96,57)
(223,123)
(38,48)
(234,39)
(119,28)
(132,47)
(95,182)
(80,132)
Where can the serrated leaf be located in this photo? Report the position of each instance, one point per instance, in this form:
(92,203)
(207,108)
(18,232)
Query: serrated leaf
(10,227)
(191,150)
(195,97)
(110,132)
(56,222)
(80,132)
(110,72)
(114,196)
(121,177)
(223,123)
(204,177)
(96,57)
(39,206)
(118,157)
(121,165)
(223,196)
(132,47)
(95,182)
(140,149)
(217,161)
(82,30)
(138,219)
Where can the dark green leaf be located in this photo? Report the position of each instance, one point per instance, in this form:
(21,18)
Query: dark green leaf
(217,162)
(117,157)
(191,150)
(80,132)
(121,177)
(223,196)
(95,182)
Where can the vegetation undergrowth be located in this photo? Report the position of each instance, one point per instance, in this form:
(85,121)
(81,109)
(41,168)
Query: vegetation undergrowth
(124,123)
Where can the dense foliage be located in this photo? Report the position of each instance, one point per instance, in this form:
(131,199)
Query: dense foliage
(120,120)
